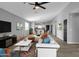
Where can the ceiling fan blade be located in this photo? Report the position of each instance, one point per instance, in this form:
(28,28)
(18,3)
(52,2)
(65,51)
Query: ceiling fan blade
(43,3)
(42,7)
(34,8)
(31,3)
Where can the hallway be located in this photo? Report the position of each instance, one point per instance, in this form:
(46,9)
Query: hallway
(67,50)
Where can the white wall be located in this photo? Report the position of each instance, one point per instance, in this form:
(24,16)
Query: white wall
(74,23)
(6,16)
(54,27)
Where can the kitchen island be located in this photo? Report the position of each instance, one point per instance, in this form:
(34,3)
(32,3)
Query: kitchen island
(47,49)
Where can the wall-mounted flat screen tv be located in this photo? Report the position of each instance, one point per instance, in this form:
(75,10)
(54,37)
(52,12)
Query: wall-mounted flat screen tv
(5,26)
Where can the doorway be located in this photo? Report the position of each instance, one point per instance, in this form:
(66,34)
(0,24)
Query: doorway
(47,27)
(65,30)
(51,28)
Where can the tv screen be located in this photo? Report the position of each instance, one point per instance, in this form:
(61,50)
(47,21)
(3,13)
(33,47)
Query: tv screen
(5,26)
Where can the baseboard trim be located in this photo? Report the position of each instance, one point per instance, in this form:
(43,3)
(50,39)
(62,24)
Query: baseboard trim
(72,42)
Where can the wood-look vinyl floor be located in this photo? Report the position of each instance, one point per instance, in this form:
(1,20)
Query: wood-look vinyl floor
(67,50)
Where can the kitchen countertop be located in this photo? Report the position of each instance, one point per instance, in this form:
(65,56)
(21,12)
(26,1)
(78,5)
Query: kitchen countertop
(52,44)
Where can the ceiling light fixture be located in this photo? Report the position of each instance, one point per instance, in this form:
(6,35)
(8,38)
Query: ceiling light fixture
(36,7)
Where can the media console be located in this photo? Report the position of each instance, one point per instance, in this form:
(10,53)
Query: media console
(7,41)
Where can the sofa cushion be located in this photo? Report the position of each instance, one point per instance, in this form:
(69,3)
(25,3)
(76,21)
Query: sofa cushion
(2,52)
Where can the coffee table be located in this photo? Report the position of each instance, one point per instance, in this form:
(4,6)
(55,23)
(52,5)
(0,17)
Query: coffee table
(23,46)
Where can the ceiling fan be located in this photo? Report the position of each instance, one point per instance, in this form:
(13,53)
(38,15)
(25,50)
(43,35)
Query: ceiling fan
(38,5)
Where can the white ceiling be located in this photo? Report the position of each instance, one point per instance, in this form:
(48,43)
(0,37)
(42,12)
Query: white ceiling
(26,11)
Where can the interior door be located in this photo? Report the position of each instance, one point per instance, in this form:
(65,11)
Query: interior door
(47,27)
(65,30)
(51,28)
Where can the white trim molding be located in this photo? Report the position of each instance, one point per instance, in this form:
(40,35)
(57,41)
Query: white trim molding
(72,42)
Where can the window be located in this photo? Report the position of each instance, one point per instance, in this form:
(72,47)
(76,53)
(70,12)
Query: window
(26,26)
